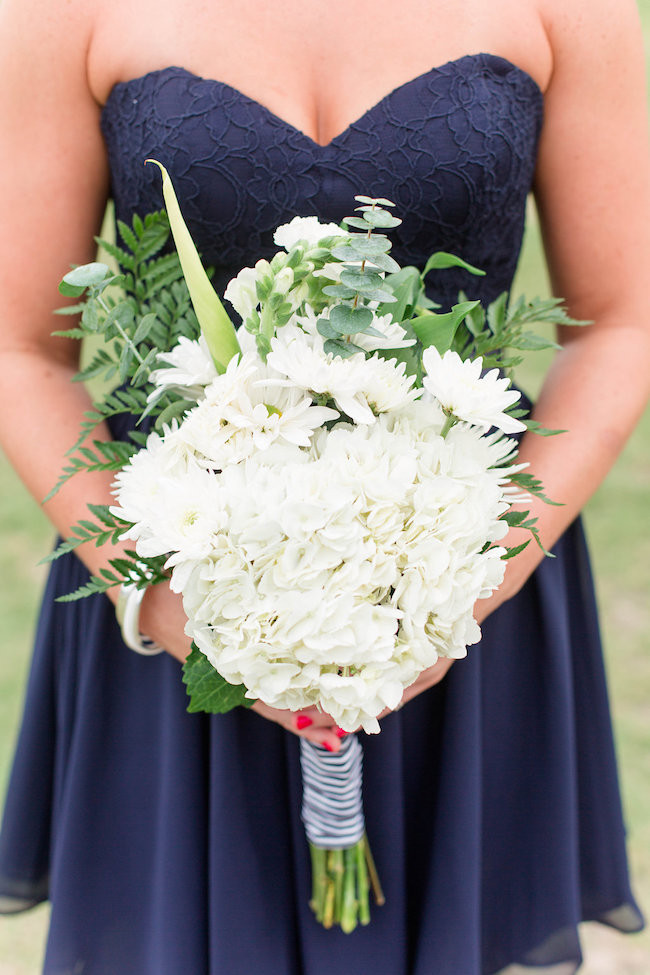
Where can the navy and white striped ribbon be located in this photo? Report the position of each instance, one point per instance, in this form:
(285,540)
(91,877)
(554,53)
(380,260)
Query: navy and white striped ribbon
(332,804)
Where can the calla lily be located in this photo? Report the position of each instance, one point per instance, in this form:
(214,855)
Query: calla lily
(217,328)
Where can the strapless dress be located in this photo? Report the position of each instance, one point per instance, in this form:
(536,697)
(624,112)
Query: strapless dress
(171,844)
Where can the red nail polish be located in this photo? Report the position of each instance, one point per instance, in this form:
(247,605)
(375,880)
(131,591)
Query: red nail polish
(327,746)
(340,733)
(302,721)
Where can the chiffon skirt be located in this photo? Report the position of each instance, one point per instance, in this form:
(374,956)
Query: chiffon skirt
(171,844)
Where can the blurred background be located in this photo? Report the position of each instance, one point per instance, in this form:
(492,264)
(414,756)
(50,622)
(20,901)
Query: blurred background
(617,527)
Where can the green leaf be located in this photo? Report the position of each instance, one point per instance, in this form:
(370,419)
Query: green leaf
(339,291)
(128,236)
(497,313)
(384,262)
(348,321)
(362,246)
(357,222)
(541,431)
(324,328)
(531,342)
(342,349)
(218,330)
(407,288)
(361,280)
(84,276)
(439,330)
(144,327)
(70,310)
(378,218)
(380,201)
(207,689)
(441,260)
(515,550)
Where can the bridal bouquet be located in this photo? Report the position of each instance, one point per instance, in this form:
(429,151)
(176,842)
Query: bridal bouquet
(327,486)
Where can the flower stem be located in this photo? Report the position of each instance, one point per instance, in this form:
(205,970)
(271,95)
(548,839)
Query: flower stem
(450,421)
(341,884)
(349,908)
(125,337)
(363,886)
(372,871)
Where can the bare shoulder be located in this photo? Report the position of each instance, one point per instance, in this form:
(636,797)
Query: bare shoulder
(603,30)
(593,176)
(52,155)
(38,35)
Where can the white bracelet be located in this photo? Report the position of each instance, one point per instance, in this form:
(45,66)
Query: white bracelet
(127,611)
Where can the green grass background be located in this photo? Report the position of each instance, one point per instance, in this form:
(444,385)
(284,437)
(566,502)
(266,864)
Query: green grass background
(617,524)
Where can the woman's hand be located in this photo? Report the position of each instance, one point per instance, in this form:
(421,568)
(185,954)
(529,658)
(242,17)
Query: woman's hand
(317,726)
(163,619)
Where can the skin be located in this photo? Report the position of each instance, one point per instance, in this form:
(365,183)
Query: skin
(59,61)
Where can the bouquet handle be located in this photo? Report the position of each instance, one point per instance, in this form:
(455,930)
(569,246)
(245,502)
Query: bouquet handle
(343,870)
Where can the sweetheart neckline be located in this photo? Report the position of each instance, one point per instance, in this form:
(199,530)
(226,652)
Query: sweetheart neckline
(480,57)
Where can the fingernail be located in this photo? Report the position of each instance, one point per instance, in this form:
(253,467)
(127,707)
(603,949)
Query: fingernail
(340,733)
(302,721)
(327,746)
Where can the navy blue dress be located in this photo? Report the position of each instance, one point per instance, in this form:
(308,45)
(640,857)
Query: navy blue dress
(171,844)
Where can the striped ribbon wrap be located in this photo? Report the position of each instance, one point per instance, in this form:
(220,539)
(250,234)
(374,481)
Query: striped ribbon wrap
(342,868)
(332,804)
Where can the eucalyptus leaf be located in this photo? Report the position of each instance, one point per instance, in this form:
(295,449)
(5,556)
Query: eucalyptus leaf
(343,349)
(325,329)
(145,325)
(207,689)
(380,201)
(362,247)
(339,291)
(357,222)
(379,218)
(89,316)
(348,321)
(361,280)
(385,263)
(84,276)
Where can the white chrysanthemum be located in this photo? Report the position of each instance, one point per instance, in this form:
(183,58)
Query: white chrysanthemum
(305,228)
(360,387)
(393,336)
(385,385)
(241,292)
(139,483)
(240,413)
(461,390)
(190,368)
(321,564)
(179,515)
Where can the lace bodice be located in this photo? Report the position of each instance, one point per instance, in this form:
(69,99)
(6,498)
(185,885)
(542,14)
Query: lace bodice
(454,149)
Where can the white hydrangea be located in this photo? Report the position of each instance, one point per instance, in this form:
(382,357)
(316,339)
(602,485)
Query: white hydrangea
(325,560)
(305,228)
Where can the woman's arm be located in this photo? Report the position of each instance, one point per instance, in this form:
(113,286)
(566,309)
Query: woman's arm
(592,190)
(593,195)
(54,179)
